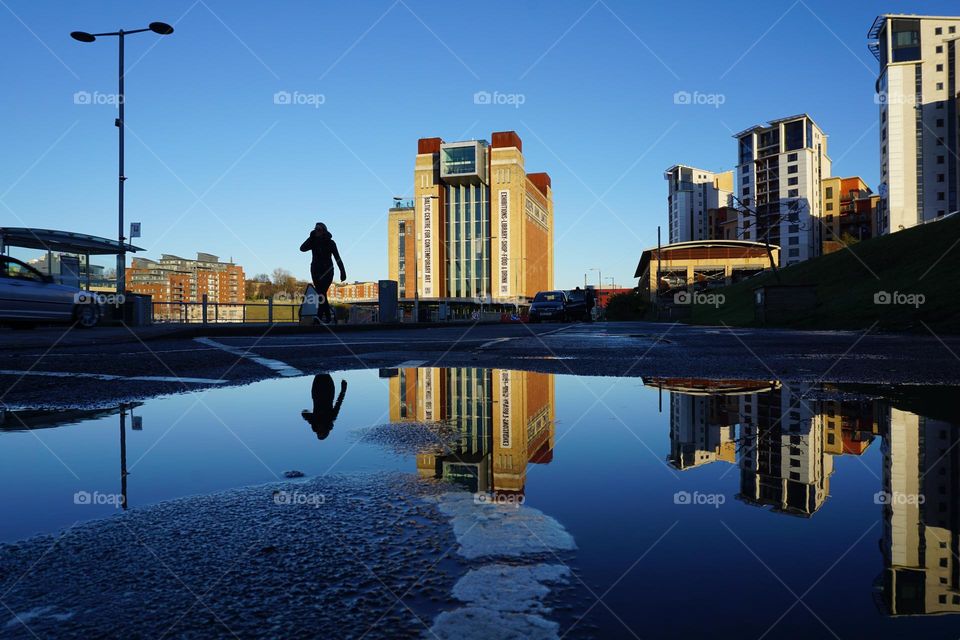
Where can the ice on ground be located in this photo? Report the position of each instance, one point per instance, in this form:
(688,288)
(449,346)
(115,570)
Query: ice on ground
(503,601)
(487,529)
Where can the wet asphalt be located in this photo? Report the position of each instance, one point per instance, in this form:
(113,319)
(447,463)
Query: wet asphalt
(76,373)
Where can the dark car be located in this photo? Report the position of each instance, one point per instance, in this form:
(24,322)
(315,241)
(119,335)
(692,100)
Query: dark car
(577,304)
(549,305)
(28,297)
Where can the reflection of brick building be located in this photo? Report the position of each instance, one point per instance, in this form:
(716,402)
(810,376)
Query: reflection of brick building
(501,421)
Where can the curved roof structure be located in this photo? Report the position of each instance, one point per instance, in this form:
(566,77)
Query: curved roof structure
(711,248)
(64,241)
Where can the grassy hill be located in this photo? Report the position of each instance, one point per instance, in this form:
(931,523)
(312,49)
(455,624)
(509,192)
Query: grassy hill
(923,260)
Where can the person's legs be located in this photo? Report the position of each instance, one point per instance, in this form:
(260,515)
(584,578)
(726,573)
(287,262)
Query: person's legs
(322,276)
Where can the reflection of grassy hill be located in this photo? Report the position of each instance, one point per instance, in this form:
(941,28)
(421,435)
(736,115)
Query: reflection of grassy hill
(923,260)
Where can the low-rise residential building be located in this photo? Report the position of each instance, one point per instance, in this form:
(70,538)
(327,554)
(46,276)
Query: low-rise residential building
(353,292)
(850,212)
(175,280)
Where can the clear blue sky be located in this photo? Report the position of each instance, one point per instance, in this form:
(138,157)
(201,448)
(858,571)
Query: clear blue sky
(215,165)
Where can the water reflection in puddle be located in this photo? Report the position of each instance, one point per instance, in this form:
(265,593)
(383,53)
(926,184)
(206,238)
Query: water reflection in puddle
(664,491)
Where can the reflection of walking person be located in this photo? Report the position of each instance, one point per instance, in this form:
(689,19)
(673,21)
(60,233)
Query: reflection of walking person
(324,251)
(324,412)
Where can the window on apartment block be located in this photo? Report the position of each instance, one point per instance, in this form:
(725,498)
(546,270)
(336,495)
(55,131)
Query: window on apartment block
(793,193)
(938,31)
(939,48)
(794,253)
(940,177)
(829,206)
(794,228)
(939,67)
(745,191)
(906,39)
(793,240)
(792,168)
(939,86)
(939,122)
(952,30)
(939,159)
(941,195)
(791,157)
(829,192)
(792,181)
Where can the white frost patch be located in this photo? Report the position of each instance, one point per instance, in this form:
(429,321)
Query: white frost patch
(35,613)
(502,602)
(493,530)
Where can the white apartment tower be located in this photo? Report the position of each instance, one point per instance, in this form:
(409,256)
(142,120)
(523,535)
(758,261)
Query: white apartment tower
(780,168)
(692,194)
(918,97)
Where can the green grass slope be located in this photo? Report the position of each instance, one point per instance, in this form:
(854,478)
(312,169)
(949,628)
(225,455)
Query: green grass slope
(923,260)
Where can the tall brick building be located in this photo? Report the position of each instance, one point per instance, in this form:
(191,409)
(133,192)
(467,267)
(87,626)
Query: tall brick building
(176,279)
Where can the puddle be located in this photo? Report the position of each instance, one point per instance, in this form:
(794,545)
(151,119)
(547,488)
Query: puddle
(526,503)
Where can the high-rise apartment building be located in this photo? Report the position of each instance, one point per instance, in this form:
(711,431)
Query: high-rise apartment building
(780,170)
(480,228)
(695,198)
(918,96)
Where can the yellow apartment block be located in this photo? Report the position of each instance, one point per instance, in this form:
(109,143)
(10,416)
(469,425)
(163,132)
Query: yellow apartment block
(479,229)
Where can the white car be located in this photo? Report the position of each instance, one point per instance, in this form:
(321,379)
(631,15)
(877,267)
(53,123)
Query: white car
(28,297)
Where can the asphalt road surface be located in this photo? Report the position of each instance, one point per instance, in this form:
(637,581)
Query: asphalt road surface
(48,367)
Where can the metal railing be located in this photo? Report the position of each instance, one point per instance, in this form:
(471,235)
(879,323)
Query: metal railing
(225,312)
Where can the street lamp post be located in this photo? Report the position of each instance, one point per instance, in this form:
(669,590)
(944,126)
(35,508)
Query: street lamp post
(160,28)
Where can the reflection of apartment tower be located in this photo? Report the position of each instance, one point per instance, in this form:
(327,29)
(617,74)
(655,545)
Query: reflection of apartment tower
(848,426)
(479,227)
(917,92)
(701,430)
(849,212)
(780,169)
(783,463)
(921,535)
(501,421)
(695,198)
(176,279)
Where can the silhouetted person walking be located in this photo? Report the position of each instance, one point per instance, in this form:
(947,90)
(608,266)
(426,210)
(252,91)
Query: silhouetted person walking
(324,412)
(325,252)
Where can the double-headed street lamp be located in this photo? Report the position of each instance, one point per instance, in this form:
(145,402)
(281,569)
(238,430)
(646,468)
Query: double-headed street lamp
(160,28)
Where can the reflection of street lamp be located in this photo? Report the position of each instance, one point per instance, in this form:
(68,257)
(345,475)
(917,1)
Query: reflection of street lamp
(160,28)
(599,280)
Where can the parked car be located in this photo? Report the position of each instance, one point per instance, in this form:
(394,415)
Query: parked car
(549,305)
(28,297)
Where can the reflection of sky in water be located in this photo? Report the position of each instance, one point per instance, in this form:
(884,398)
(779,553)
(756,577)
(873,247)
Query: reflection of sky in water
(602,472)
